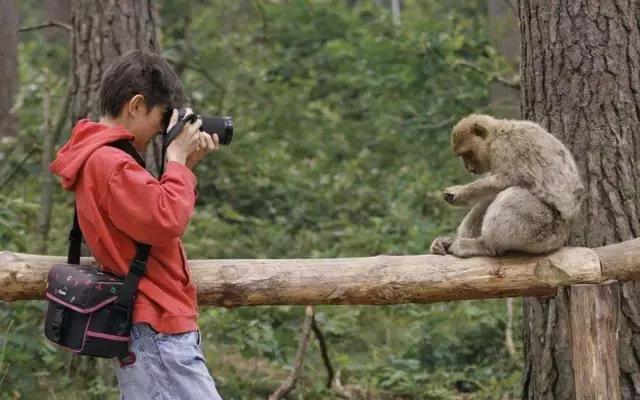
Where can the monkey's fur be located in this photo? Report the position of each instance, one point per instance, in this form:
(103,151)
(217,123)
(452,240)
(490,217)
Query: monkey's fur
(529,198)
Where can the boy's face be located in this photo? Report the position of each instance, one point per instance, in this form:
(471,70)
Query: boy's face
(144,122)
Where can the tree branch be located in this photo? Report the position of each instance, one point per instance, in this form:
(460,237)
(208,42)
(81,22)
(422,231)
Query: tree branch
(61,115)
(32,150)
(207,76)
(48,24)
(289,383)
(323,351)
(513,83)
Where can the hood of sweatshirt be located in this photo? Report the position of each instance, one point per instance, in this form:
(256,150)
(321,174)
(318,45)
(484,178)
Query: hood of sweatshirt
(86,137)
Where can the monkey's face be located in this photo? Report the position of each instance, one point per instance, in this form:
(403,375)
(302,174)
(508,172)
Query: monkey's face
(475,154)
(470,141)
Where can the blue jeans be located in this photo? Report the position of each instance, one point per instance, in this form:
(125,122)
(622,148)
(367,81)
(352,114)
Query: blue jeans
(164,367)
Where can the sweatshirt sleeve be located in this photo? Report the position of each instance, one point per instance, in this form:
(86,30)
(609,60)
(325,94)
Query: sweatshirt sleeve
(148,210)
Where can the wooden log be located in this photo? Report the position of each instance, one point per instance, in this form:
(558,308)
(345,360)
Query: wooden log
(620,261)
(367,280)
(593,318)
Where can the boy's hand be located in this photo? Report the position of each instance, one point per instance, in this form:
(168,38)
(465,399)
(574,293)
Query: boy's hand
(186,142)
(208,144)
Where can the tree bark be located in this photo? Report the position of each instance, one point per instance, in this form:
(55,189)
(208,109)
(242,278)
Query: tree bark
(593,311)
(104,30)
(9,25)
(580,76)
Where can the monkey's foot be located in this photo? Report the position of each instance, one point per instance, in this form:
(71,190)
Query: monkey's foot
(466,247)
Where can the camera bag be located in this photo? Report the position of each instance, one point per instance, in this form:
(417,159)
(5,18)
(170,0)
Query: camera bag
(89,310)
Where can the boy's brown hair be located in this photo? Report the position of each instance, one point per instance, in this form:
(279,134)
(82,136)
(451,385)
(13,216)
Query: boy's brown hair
(139,72)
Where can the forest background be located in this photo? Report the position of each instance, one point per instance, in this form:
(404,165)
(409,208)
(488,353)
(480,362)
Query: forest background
(342,113)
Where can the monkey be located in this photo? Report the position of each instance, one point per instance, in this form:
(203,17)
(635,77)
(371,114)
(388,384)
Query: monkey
(527,201)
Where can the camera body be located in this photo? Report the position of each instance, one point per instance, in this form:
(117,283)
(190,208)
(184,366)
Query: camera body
(222,126)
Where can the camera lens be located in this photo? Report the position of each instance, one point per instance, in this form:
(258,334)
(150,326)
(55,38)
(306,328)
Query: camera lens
(222,126)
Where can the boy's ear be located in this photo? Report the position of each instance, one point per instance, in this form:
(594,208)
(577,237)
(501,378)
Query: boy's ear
(136,105)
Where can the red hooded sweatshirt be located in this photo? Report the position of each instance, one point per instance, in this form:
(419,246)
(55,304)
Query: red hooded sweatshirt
(118,203)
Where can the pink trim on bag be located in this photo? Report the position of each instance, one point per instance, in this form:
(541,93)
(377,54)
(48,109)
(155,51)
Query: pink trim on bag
(107,336)
(82,310)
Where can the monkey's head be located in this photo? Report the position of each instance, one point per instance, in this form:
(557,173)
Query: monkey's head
(470,140)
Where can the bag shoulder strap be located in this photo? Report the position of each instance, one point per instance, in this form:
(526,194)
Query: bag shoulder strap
(75,240)
(139,262)
(127,146)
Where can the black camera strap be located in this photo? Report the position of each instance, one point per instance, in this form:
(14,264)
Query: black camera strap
(172,133)
(139,262)
(177,128)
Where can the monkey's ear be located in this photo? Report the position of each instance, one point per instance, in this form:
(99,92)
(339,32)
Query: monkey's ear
(479,130)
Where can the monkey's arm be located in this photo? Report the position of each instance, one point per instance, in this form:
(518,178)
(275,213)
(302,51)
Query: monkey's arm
(481,189)
(470,227)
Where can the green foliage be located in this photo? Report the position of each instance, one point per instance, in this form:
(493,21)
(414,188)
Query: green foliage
(341,149)
(347,122)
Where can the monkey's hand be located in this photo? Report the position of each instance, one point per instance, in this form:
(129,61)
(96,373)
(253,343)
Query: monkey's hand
(455,195)
(441,245)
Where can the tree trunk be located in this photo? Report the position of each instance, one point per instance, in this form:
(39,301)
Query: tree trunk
(505,38)
(580,76)
(50,134)
(104,30)
(593,312)
(395,11)
(46,178)
(9,79)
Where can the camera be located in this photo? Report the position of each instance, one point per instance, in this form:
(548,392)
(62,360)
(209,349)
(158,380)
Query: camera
(222,126)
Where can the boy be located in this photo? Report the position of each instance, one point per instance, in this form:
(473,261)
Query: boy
(119,203)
